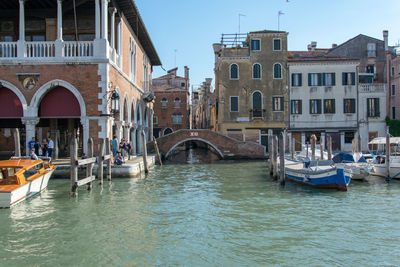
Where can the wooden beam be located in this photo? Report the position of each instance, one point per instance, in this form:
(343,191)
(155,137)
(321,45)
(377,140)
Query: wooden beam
(106,157)
(85,180)
(85,161)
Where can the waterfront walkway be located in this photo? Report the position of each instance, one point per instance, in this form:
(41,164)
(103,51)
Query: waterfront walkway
(131,168)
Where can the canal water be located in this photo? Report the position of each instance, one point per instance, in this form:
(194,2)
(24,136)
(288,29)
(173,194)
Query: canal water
(214,214)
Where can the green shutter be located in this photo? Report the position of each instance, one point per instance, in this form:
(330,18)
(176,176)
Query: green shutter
(334,106)
(309,79)
(333,79)
(300,82)
(353,78)
(311,106)
(353,105)
(293,79)
(319,106)
(300,107)
(282,107)
(319,79)
(324,79)
(344,105)
(378,111)
(343,78)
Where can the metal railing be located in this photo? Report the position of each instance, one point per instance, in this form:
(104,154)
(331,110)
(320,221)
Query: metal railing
(234,40)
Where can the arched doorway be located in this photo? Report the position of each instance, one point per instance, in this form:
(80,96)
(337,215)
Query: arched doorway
(59,112)
(11,112)
(139,123)
(167,131)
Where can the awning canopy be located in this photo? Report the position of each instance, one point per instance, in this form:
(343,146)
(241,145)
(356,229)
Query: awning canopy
(382,141)
(10,105)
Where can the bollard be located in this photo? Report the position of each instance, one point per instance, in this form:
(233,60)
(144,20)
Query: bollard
(282,159)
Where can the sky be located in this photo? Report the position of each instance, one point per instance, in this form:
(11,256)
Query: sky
(183,31)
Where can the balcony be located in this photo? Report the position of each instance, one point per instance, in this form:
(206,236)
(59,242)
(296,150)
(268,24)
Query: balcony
(371,88)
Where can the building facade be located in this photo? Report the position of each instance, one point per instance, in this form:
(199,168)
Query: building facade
(323,98)
(171,106)
(204,104)
(61,66)
(251,85)
(393,63)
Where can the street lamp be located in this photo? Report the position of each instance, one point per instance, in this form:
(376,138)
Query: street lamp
(114,102)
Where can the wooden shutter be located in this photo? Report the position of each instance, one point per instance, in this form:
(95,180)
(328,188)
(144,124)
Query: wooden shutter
(311,103)
(319,104)
(300,107)
(377,109)
(333,79)
(293,79)
(324,79)
(353,78)
(343,78)
(309,79)
(319,79)
(353,105)
(333,106)
(300,82)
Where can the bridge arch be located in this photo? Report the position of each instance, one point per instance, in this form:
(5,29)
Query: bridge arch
(194,139)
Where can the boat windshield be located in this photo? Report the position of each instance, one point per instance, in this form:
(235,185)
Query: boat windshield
(32,171)
(7,175)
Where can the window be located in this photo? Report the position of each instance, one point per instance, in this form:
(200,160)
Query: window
(371,50)
(277,102)
(393,113)
(296,107)
(255,45)
(370,69)
(348,137)
(182,84)
(234,72)
(393,90)
(315,106)
(349,105)
(256,71)
(314,79)
(155,120)
(164,103)
(132,60)
(392,72)
(234,105)
(348,78)
(177,102)
(277,71)
(277,45)
(329,106)
(328,79)
(373,107)
(177,118)
(257,105)
(296,79)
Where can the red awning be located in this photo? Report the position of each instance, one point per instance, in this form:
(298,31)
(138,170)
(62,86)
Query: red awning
(59,103)
(10,105)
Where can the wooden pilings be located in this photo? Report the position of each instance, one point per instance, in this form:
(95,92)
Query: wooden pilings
(321,148)
(313,140)
(75,163)
(387,160)
(329,147)
(157,151)
(282,159)
(307,150)
(275,159)
(293,148)
(144,147)
(104,144)
(271,153)
(17,143)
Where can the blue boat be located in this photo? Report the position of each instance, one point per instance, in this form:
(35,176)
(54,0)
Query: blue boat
(318,174)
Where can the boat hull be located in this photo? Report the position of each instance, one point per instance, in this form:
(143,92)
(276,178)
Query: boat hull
(13,197)
(331,178)
(394,171)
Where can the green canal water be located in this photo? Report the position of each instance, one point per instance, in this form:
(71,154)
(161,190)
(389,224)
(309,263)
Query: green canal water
(221,214)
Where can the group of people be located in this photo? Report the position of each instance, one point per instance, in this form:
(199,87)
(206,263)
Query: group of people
(118,148)
(41,149)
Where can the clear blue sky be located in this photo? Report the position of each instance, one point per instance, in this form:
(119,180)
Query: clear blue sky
(191,26)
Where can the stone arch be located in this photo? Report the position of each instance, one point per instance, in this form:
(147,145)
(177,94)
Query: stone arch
(139,113)
(167,131)
(44,89)
(18,93)
(133,113)
(121,107)
(194,139)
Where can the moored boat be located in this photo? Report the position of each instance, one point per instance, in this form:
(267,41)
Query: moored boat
(355,165)
(319,174)
(21,178)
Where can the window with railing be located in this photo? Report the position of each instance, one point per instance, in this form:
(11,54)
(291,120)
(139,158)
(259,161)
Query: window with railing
(257,105)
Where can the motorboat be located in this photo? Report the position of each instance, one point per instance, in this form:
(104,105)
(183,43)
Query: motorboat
(379,161)
(355,165)
(22,178)
(318,174)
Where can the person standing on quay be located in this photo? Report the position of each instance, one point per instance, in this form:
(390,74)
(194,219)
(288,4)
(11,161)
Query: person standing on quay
(50,148)
(31,144)
(44,147)
(115,145)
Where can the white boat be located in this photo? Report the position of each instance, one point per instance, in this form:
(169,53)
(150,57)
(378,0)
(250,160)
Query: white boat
(379,162)
(22,178)
(355,165)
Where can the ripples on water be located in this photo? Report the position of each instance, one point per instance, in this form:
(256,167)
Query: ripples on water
(225,214)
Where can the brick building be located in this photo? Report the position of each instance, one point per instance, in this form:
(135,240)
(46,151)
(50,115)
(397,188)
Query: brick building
(59,71)
(171,106)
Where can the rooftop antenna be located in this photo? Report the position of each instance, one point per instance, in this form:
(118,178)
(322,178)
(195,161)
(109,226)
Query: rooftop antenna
(279,15)
(175,50)
(240,15)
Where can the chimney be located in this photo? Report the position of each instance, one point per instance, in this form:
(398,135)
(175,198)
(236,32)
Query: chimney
(309,47)
(334,45)
(386,40)
(313,45)
(186,73)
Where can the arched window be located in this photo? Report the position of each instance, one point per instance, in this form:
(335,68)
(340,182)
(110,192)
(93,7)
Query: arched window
(177,102)
(257,105)
(234,72)
(277,71)
(167,131)
(164,103)
(256,71)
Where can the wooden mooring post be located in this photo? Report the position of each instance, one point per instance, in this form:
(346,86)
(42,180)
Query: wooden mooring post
(157,151)
(144,147)
(387,160)
(321,148)
(329,147)
(75,163)
(275,159)
(271,153)
(17,143)
(102,158)
(293,148)
(282,159)
(313,140)
(306,149)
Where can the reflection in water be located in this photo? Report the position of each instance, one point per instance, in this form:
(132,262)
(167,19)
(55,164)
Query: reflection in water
(192,153)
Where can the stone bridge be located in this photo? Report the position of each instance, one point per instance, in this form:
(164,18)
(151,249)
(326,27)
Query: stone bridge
(225,146)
